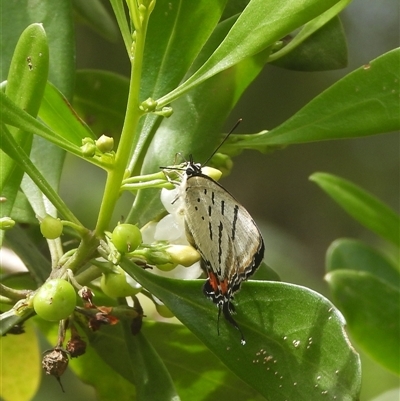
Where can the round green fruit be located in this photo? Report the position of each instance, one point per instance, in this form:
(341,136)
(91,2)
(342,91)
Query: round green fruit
(51,228)
(55,300)
(116,284)
(126,237)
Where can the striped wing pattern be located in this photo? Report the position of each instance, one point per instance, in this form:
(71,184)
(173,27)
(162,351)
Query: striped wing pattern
(224,233)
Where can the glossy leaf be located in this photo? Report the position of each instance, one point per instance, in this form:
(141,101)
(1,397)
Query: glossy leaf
(100,99)
(56,112)
(94,14)
(260,24)
(20,365)
(197,373)
(196,123)
(296,346)
(372,308)
(323,32)
(25,85)
(23,245)
(361,205)
(324,50)
(365,102)
(56,18)
(35,185)
(356,255)
(171,47)
(134,358)
(22,210)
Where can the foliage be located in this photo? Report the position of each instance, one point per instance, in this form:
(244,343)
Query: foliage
(184,82)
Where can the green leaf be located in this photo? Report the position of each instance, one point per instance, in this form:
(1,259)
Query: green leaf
(364,285)
(356,255)
(56,112)
(37,185)
(134,358)
(371,307)
(25,86)
(197,373)
(296,346)
(94,14)
(100,98)
(16,117)
(315,37)
(169,53)
(361,205)
(196,123)
(22,244)
(259,26)
(56,17)
(324,50)
(365,102)
(22,210)
(20,365)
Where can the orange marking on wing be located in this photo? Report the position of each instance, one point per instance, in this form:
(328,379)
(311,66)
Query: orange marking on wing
(213,281)
(224,286)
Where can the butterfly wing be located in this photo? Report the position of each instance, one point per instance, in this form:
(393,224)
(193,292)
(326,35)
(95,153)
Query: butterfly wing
(230,243)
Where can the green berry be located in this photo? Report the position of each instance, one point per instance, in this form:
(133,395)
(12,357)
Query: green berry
(51,228)
(126,237)
(55,300)
(116,284)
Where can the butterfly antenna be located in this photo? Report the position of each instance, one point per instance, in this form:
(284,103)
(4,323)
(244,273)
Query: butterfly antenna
(223,141)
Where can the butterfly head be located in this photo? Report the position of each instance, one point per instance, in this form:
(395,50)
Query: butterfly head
(193,168)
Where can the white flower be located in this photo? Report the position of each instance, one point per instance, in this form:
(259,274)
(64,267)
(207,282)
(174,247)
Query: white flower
(171,228)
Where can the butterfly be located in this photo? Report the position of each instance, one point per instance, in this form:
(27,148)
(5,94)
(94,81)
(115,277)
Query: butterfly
(220,228)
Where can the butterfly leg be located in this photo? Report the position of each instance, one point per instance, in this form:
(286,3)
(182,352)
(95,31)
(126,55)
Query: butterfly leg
(227,309)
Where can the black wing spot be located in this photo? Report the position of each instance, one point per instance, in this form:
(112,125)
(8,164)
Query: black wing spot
(220,229)
(234,222)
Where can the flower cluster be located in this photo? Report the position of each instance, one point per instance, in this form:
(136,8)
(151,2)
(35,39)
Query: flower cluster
(171,228)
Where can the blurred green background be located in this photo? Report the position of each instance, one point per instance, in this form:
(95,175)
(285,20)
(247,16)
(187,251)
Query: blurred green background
(298,220)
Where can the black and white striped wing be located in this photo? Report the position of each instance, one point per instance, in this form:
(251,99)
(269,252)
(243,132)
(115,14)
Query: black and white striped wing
(224,233)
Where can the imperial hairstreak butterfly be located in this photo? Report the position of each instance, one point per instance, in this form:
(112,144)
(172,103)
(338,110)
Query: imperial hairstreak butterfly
(223,232)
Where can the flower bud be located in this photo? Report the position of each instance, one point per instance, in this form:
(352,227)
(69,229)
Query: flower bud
(6,223)
(105,144)
(212,172)
(184,255)
(88,149)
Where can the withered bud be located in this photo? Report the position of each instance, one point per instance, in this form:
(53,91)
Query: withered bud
(97,321)
(76,347)
(55,362)
(86,294)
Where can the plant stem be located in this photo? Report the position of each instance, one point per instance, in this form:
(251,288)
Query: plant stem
(129,136)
